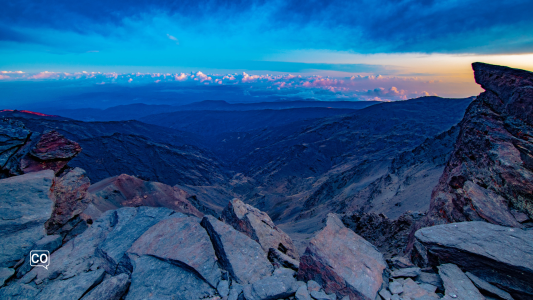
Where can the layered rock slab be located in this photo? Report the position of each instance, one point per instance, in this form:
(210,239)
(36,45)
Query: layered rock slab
(258,226)
(343,262)
(25,205)
(502,256)
(241,256)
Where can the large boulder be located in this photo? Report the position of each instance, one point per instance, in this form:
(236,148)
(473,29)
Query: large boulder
(241,256)
(25,206)
(130,191)
(258,226)
(183,241)
(502,256)
(343,262)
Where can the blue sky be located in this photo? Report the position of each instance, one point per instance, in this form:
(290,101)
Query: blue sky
(433,40)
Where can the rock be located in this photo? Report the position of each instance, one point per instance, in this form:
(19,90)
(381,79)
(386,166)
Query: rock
(456,284)
(235,291)
(488,288)
(183,241)
(258,226)
(396,287)
(223,288)
(157,279)
(68,193)
(13,136)
(500,255)
(407,272)
(302,293)
(322,296)
(385,295)
(313,286)
(395,297)
(71,288)
(25,205)
(489,172)
(414,291)
(241,256)
(129,191)
(51,152)
(5,274)
(430,278)
(400,262)
(18,291)
(279,259)
(112,288)
(281,284)
(428,287)
(342,262)
(48,242)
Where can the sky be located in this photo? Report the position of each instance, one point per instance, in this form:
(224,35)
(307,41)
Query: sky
(318,49)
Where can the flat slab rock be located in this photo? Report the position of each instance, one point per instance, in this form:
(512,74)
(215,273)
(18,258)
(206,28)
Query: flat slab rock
(502,256)
(25,205)
(343,262)
(241,256)
(457,285)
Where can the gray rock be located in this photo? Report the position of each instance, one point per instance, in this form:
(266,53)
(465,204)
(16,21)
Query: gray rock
(343,262)
(258,226)
(5,274)
(157,279)
(313,286)
(279,259)
(302,293)
(183,241)
(18,291)
(407,272)
(112,288)
(488,288)
(241,256)
(71,288)
(48,242)
(428,287)
(414,291)
(322,296)
(430,278)
(12,137)
(500,255)
(396,287)
(223,288)
(25,205)
(235,291)
(400,262)
(456,283)
(395,297)
(281,284)
(385,295)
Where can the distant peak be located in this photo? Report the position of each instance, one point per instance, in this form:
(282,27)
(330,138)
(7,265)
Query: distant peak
(28,112)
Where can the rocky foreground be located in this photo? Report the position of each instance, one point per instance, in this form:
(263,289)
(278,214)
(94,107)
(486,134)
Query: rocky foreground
(126,238)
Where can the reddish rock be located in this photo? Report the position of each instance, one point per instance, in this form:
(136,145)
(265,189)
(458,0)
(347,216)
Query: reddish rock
(129,191)
(343,262)
(68,193)
(489,176)
(51,152)
(258,226)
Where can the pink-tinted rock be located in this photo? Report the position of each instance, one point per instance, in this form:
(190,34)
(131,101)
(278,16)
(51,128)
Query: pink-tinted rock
(129,191)
(51,152)
(343,262)
(258,226)
(68,193)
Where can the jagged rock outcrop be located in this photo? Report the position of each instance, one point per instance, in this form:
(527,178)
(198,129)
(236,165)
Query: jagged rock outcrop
(489,176)
(343,262)
(502,256)
(130,191)
(23,151)
(258,226)
(25,205)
